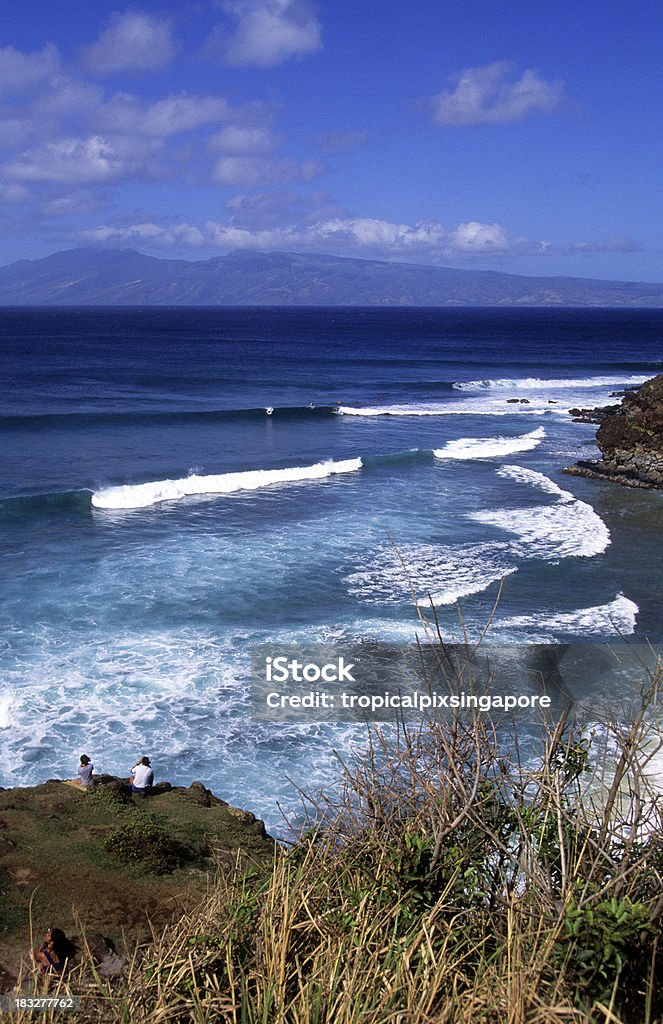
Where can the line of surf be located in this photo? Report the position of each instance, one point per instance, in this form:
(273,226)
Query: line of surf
(135,496)
(549,383)
(489,447)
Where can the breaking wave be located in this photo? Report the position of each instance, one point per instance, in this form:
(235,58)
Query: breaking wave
(133,496)
(568,528)
(548,384)
(617,616)
(489,447)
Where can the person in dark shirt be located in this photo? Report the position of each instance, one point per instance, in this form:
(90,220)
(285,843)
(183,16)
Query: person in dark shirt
(85,772)
(54,952)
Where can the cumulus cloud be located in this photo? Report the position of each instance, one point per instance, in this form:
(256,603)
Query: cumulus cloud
(133,41)
(260,222)
(166,237)
(82,161)
(246,171)
(495,94)
(359,236)
(240,140)
(477,237)
(19,71)
(267,32)
(127,115)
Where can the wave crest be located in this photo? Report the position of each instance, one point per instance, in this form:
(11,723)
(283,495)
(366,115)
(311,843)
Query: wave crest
(133,496)
(489,447)
(547,384)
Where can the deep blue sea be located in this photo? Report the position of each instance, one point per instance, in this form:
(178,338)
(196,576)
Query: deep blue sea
(180,484)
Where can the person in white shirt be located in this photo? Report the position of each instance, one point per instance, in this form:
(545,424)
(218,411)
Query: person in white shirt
(142,776)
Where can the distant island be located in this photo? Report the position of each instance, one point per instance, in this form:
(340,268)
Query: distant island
(114,277)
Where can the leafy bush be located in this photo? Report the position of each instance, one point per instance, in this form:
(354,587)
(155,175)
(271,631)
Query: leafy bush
(144,842)
(109,801)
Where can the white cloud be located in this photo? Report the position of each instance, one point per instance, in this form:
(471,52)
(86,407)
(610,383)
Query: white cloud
(67,96)
(428,241)
(19,71)
(81,161)
(256,225)
(258,171)
(269,32)
(494,94)
(133,41)
(177,234)
(476,237)
(127,115)
(237,140)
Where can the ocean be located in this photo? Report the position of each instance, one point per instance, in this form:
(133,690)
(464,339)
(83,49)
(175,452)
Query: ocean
(178,485)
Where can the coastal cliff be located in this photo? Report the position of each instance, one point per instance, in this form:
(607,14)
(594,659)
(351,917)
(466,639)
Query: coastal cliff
(104,862)
(630,437)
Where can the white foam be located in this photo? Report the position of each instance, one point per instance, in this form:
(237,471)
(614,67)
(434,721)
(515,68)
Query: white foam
(488,405)
(569,528)
(539,480)
(618,616)
(131,496)
(438,573)
(548,384)
(469,406)
(489,447)
(5,710)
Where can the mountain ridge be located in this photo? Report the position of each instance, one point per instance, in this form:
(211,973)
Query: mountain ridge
(127,277)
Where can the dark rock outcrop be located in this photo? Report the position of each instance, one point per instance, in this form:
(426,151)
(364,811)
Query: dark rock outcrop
(630,438)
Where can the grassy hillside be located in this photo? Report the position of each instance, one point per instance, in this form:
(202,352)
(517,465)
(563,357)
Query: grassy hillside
(106,862)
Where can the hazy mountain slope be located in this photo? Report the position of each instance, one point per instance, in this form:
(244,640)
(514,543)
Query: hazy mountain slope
(126,277)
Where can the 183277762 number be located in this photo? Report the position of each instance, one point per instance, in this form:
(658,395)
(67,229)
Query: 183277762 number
(37,1004)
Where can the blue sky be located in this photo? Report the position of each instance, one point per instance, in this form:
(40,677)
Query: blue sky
(521,137)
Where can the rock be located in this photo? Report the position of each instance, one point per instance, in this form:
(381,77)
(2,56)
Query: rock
(592,415)
(513,401)
(8,980)
(199,794)
(107,960)
(630,437)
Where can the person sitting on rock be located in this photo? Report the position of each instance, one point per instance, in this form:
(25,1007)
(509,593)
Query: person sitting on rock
(85,773)
(54,952)
(142,776)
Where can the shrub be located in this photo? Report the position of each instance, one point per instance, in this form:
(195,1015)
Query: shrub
(144,842)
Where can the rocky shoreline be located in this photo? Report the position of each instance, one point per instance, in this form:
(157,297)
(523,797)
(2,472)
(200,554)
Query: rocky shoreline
(630,438)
